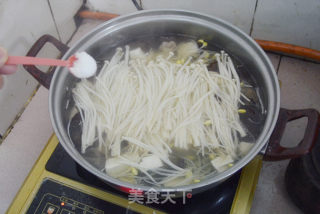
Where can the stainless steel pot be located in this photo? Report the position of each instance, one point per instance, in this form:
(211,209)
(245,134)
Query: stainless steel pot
(101,42)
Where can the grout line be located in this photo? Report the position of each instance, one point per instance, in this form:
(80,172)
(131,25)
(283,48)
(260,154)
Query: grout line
(72,35)
(254,14)
(137,5)
(4,136)
(77,20)
(302,59)
(278,66)
(295,57)
(54,20)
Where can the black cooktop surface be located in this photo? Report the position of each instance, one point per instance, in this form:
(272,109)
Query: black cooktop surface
(216,200)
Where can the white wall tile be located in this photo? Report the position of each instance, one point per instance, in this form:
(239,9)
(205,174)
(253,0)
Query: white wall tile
(63,12)
(21,24)
(289,21)
(239,13)
(86,26)
(118,7)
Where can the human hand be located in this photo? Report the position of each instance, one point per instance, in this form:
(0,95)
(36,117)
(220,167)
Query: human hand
(5,69)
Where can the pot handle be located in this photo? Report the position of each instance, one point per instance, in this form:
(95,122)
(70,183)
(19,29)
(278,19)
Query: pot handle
(275,151)
(44,78)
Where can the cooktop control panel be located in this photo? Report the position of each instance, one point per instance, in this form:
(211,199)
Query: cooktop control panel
(56,198)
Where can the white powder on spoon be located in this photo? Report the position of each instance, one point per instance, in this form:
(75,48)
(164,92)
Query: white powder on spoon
(84,66)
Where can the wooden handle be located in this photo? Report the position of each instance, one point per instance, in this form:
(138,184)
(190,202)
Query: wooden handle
(276,152)
(289,49)
(44,78)
(96,15)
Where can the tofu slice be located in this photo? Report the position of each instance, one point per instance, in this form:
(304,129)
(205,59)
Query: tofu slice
(244,148)
(220,163)
(137,53)
(114,167)
(151,162)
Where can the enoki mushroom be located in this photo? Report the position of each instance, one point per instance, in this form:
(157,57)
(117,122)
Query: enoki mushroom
(160,117)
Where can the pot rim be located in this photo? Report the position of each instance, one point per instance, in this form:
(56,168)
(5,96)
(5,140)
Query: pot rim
(273,104)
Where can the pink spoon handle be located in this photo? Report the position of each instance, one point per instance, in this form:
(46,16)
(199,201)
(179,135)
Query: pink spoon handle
(26,60)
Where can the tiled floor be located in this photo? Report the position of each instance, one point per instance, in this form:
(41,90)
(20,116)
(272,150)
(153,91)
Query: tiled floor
(21,24)
(20,27)
(300,89)
(22,147)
